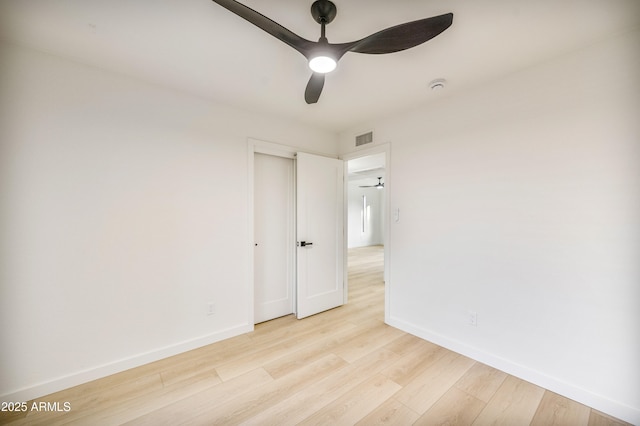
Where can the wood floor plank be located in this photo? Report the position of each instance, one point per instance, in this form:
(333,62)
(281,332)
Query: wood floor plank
(596,418)
(150,402)
(277,350)
(355,404)
(260,398)
(481,381)
(456,407)
(425,389)
(407,344)
(514,403)
(12,417)
(112,396)
(357,314)
(285,328)
(185,371)
(390,412)
(556,410)
(297,359)
(414,363)
(180,410)
(368,341)
(309,400)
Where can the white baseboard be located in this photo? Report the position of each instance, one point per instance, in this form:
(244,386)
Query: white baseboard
(97,372)
(583,396)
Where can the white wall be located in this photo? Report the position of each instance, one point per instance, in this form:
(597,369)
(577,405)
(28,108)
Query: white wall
(373,232)
(521,201)
(123,211)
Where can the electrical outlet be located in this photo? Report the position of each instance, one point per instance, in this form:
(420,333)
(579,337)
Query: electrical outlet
(211,308)
(472,317)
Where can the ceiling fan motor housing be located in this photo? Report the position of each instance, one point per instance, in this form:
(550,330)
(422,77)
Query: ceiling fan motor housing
(323,11)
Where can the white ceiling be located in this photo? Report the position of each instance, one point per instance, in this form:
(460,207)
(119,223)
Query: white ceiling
(367,168)
(369,162)
(198,47)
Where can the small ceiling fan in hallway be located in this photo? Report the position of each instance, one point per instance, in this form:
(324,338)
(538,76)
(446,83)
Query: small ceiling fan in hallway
(324,56)
(378,185)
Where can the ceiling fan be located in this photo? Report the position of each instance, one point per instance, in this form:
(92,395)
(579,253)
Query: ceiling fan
(323,56)
(378,185)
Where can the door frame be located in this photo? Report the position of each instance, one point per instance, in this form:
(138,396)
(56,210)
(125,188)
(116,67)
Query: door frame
(365,152)
(286,210)
(269,148)
(256,146)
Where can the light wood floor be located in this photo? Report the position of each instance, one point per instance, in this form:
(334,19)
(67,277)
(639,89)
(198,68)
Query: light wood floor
(344,367)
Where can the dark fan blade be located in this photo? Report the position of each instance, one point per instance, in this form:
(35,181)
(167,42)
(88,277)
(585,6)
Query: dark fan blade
(314,88)
(400,37)
(378,185)
(278,31)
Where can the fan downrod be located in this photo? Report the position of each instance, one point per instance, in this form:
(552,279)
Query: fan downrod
(323,11)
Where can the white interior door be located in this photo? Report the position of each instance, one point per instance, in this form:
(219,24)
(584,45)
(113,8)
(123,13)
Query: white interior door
(274,237)
(320,217)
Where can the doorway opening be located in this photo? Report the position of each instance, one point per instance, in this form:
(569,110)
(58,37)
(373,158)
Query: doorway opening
(366,225)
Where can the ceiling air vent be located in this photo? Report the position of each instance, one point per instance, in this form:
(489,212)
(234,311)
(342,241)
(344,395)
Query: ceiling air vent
(364,139)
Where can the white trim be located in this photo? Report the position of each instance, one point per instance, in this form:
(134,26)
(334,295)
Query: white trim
(256,146)
(249,279)
(279,150)
(583,396)
(365,152)
(293,256)
(85,376)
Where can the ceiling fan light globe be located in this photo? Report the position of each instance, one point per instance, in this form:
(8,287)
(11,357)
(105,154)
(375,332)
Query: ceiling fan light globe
(322,64)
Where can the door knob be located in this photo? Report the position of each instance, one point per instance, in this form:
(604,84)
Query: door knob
(304,244)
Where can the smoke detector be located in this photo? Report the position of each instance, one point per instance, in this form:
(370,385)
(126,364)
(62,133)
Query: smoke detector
(437,84)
